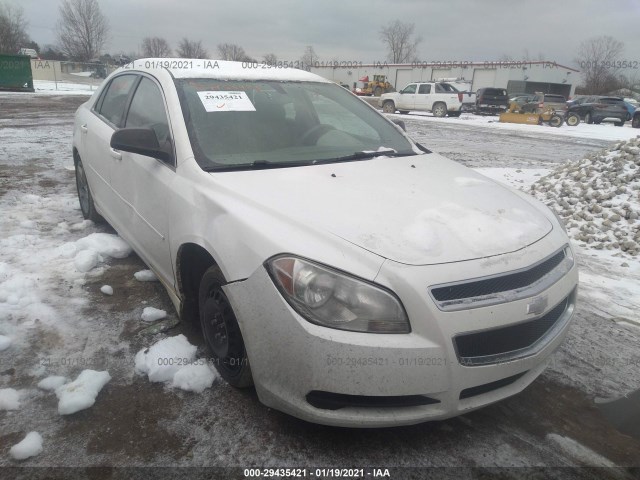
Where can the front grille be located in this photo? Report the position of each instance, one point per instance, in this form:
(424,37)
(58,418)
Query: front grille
(335,401)
(502,344)
(489,387)
(503,283)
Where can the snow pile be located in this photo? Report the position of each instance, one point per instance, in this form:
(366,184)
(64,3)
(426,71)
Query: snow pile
(30,446)
(82,392)
(92,249)
(52,383)
(9,399)
(145,276)
(599,197)
(5,342)
(174,359)
(150,314)
(194,378)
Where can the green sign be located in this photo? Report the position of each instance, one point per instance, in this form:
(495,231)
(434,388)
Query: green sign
(15,73)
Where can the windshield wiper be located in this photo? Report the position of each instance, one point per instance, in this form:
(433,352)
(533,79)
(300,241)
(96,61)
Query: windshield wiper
(256,165)
(363,156)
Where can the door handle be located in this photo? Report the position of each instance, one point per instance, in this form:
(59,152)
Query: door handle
(116,154)
(84,128)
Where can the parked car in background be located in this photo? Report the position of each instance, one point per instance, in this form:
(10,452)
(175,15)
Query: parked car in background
(597,109)
(30,52)
(353,276)
(492,100)
(539,102)
(521,99)
(438,97)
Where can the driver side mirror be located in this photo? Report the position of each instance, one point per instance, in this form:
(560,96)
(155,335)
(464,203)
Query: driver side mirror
(142,141)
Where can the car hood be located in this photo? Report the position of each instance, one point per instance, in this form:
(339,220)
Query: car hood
(416,210)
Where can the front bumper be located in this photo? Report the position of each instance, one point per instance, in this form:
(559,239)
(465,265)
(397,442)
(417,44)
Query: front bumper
(301,368)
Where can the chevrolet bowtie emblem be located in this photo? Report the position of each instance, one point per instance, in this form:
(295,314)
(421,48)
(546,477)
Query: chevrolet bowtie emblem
(537,305)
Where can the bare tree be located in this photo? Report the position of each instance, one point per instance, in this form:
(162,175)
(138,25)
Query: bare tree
(13,29)
(82,29)
(309,57)
(401,45)
(156,47)
(191,49)
(270,58)
(233,52)
(598,60)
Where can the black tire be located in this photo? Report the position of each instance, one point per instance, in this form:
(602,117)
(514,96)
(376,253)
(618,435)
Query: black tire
(620,123)
(635,123)
(454,114)
(555,121)
(389,107)
(221,331)
(87,206)
(573,120)
(588,118)
(597,122)
(378,91)
(439,109)
(404,112)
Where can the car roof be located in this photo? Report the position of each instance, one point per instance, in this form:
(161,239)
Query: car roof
(221,69)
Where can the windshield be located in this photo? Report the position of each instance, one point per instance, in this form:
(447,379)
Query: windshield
(252,124)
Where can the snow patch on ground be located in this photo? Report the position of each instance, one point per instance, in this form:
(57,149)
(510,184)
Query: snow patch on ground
(30,446)
(82,392)
(5,342)
(579,452)
(9,399)
(52,382)
(145,276)
(173,360)
(107,289)
(151,314)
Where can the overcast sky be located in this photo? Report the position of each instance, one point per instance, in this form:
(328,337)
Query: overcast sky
(451,30)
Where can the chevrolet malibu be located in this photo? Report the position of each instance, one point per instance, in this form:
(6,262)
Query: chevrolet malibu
(350,274)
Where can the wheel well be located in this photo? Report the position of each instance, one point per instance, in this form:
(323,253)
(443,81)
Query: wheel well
(191,263)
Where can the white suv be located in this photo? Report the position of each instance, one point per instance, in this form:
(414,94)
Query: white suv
(440,98)
(353,276)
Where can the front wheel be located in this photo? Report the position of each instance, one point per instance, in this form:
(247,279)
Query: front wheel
(388,107)
(555,121)
(84,195)
(620,123)
(573,120)
(635,123)
(588,118)
(221,331)
(439,110)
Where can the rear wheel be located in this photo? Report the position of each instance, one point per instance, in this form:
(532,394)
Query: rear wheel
(439,110)
(221,330)
(573,120)
(588,118)
(389,107)
(84,195)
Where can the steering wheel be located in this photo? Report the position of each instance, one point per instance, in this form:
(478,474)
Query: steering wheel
(311,136)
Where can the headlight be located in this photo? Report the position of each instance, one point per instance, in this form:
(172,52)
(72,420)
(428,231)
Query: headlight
(334,299)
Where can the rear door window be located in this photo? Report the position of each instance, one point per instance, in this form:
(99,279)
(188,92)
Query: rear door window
(424,89)
(115,99)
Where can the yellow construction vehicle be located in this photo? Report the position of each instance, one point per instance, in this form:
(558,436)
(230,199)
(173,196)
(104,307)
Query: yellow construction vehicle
(516,114)
(377,87)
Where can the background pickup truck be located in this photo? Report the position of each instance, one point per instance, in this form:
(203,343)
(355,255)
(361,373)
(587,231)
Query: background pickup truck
(437,97)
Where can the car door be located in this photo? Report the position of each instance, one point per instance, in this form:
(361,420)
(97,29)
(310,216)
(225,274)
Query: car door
(143,184)
(424,99)
(106,115)
(407,97)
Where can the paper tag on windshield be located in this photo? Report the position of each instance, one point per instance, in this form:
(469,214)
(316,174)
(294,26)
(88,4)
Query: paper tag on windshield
(226,101)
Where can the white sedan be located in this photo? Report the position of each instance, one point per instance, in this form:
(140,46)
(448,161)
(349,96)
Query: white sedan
(350,274)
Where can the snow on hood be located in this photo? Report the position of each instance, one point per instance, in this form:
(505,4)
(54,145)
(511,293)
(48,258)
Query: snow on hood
(415,210)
